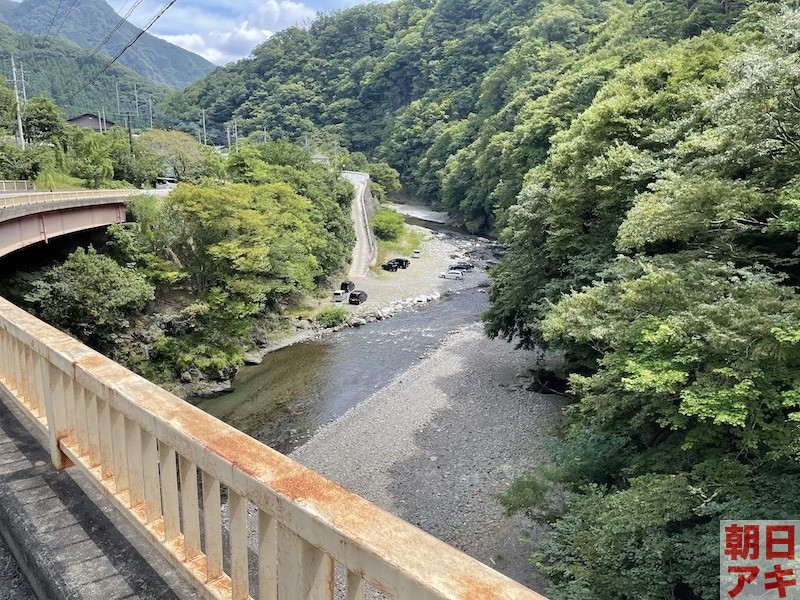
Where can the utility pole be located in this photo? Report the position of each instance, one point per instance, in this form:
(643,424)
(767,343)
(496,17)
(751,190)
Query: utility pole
(236,134)
(105,123)
(136,100)
(151,112)
(205,137)
(100,120)
(228,127)
(130,132)
(119,110)
(24,93)
(19,112)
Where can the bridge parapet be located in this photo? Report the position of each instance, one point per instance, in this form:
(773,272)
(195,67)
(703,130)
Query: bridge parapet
(43,198)
(163,463)
(16,185)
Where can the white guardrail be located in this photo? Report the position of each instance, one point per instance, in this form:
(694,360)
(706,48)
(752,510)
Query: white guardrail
(146,450)
(16,185)
(39,198)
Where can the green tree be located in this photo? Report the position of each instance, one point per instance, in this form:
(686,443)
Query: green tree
(43,122)
(388,224)
(181,155)
(90,295)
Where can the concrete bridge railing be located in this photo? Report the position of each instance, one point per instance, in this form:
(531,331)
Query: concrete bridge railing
(164,464)
(16,185)
(42,198)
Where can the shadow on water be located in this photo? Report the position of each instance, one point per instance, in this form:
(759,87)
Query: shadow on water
(302,387)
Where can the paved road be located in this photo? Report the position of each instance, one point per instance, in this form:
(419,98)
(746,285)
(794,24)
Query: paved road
(365,252)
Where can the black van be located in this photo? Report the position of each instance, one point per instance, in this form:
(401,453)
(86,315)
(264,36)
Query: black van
(348,286)
(358,297)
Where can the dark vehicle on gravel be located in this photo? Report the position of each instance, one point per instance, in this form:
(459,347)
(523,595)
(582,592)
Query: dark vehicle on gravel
(401,262)
(390,266)
(358,297)
(348,286)
(462,266)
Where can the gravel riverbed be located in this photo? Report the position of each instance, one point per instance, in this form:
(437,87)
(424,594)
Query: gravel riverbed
(437,445)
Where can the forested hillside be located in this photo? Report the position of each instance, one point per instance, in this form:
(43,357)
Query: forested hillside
(59,69)
(640,159)
(88,22)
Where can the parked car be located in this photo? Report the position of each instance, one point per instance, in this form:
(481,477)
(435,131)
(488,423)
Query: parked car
(390,266)
(462,266)
(358,297)
(340,295)
(403,263)
(348,286)
(452,275)
(416,254)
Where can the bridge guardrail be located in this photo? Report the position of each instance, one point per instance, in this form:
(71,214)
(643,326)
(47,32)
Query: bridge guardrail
(146,450)
(16,185)
(7,201)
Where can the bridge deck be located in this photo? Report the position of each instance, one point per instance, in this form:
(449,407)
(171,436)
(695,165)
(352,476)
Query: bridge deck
(73,544)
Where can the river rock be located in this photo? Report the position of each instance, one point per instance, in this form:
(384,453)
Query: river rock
(186,377)
(211,388)
(253,358)
(358,322)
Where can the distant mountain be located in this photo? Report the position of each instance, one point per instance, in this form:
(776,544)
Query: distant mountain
(60,69)
(87,24)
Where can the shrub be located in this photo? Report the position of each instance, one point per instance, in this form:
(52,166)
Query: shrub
(388,224)
(331,317)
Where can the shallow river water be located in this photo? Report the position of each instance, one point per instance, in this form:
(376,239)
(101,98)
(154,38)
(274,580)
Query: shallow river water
(297,389)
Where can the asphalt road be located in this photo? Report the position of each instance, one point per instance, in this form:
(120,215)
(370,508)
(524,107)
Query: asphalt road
(364,253)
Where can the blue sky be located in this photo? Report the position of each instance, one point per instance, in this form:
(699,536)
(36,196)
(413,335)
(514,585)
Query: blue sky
(226,30)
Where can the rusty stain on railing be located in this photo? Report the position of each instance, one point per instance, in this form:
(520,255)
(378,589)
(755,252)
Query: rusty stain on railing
(144,448)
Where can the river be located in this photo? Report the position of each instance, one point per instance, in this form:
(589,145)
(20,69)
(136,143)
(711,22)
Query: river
(302,387)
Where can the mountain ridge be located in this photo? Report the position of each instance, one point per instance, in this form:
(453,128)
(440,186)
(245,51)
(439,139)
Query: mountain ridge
(60,69)
(86,22)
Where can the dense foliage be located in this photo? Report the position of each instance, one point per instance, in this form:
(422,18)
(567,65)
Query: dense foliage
(86,23)
(218,259)
(640,159)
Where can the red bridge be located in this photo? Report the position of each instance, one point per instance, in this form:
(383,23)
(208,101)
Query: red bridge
(28,217)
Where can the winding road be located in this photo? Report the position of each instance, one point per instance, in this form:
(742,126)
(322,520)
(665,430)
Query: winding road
(365,252)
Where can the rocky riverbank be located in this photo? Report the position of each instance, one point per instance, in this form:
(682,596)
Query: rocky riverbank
(436,446)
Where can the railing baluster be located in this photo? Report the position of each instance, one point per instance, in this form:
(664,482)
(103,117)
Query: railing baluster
(57,427)
(38,383)
(190,512)
(135,475)
(27,386)
(15,380)
(70,402)
(93,427)
(81,425)
(120,448)
(152,487)
(355,586)
(169,491)
(106,443)
(238,524)
(304,572)
(267,557)
(212,522)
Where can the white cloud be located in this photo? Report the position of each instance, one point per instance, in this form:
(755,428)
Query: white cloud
(222,32)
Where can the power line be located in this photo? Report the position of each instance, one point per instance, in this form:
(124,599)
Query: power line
(114,30)
(55,35)
(121,52)
(55,14)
